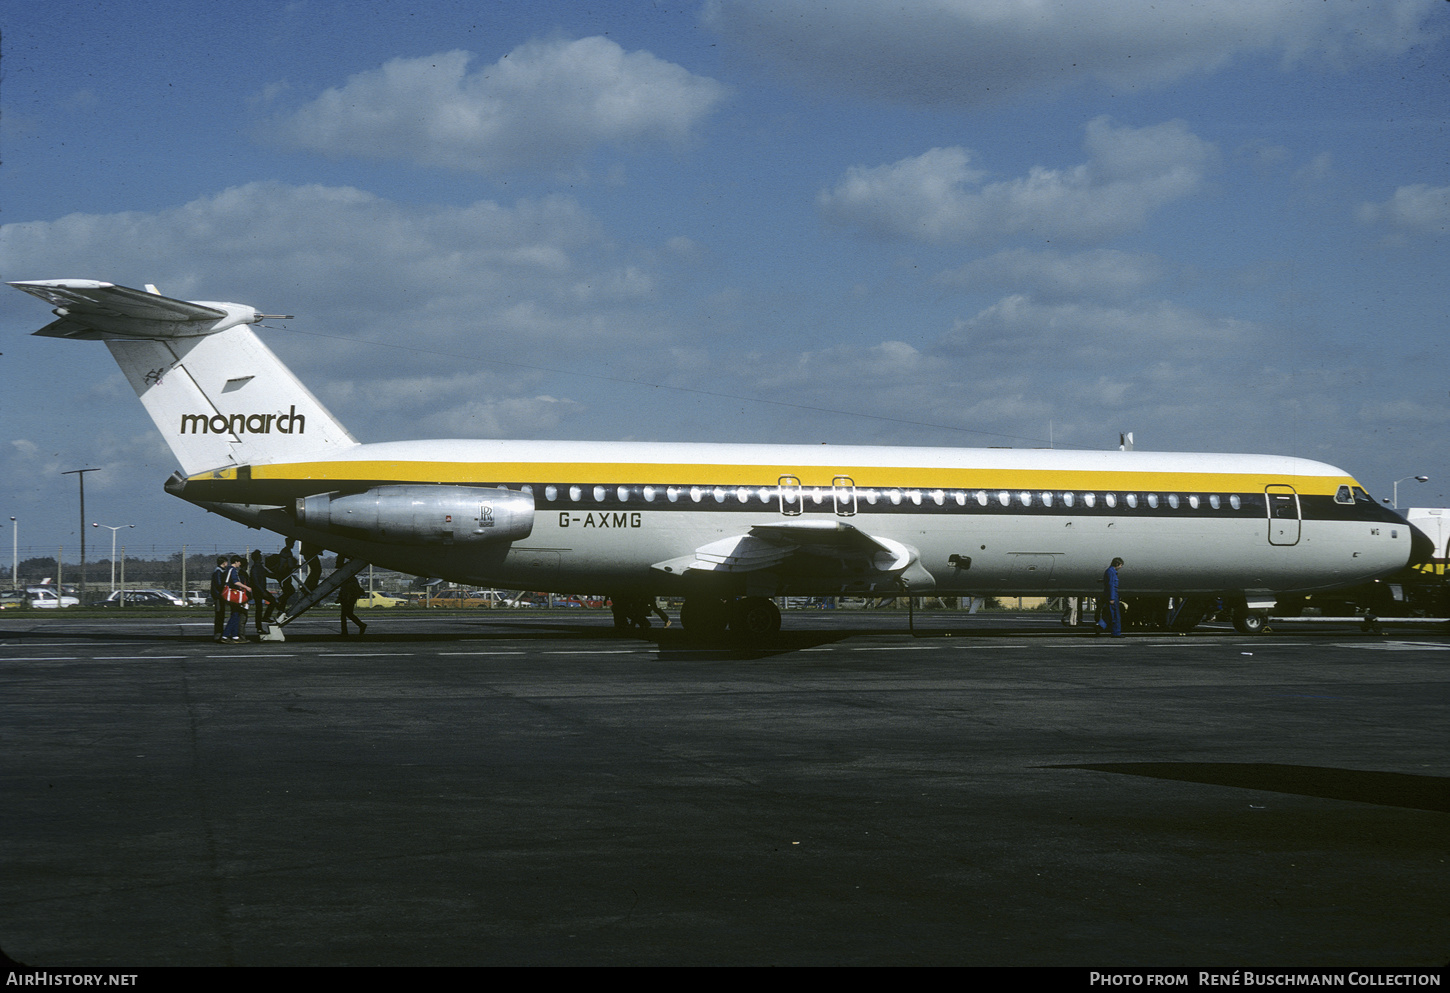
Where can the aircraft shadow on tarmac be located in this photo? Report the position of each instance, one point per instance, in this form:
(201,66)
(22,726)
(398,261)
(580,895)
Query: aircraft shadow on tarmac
(1388,789)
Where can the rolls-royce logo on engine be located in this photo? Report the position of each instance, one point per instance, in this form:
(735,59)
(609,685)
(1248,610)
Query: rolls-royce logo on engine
(288,423)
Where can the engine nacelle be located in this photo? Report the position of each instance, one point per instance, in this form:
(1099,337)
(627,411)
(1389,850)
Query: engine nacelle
(429,515)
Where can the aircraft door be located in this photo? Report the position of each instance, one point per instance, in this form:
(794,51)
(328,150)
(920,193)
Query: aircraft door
(792,496)
(843,493)
(1284,519)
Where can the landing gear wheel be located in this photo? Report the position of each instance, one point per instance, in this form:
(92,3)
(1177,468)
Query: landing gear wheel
(1250,621)
(755,617)
(705,616)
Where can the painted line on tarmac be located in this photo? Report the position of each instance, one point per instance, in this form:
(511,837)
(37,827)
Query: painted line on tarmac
(253,655)
(119,658)
(481,653)
(365,655)
(43,658)
(1397,646)
(603,651)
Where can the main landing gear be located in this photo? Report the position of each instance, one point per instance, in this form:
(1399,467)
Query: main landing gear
(749,616)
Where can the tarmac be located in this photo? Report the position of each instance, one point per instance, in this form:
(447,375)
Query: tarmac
(527,788)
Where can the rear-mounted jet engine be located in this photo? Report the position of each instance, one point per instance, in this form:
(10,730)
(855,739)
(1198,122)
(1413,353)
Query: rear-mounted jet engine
(439,515)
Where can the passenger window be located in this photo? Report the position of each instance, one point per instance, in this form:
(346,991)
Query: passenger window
(1067,499)
(1235,502)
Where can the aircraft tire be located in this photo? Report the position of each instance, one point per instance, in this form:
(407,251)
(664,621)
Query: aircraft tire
(1250,621)
(706,617)
(755,617)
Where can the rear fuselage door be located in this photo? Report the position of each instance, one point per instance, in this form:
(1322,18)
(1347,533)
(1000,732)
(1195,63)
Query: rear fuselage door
(1283,514)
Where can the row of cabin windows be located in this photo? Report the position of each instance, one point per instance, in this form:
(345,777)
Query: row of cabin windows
(871,497)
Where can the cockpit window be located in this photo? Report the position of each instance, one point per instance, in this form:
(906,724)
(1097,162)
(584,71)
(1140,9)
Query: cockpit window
(1342,495)
(1360,496)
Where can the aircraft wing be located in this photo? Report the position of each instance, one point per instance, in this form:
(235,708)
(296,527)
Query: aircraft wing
(797,550)
(92,311)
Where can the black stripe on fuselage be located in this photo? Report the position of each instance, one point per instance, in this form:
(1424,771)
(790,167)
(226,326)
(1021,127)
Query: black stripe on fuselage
(914,501)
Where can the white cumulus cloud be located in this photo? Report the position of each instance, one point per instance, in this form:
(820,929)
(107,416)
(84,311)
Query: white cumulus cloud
(543,105)
(939,197)
(1102,273)
(969,52)
(1417,209)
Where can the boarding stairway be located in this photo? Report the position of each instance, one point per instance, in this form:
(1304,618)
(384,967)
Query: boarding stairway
(306,599)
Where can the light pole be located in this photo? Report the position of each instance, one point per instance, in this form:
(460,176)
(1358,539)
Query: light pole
(113,531)
(14,553)
(1418,479)
(80,475)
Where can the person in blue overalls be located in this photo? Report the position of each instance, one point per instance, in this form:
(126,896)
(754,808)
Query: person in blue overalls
(1112,612)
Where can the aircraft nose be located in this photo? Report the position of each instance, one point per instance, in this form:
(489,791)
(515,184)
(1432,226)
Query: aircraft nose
(1422,547)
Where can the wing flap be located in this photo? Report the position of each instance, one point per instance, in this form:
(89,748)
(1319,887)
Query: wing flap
(832,554)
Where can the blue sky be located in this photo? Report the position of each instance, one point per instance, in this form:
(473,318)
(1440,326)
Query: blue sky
(1220,226)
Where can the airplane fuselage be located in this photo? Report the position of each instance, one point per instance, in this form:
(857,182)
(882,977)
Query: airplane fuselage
(606,515)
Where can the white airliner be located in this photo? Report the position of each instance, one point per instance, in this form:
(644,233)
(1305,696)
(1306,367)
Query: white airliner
(728,526)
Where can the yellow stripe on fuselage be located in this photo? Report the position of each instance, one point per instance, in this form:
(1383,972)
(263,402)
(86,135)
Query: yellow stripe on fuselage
(706,474)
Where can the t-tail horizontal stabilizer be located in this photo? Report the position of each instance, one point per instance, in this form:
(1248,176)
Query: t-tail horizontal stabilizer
(216,392)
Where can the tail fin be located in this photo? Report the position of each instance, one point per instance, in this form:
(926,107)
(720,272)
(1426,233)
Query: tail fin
(216,392)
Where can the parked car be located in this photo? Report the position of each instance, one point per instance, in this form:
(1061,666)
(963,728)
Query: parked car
(143,598)
(465,598)
(43,596)
(11,598)
(376,599)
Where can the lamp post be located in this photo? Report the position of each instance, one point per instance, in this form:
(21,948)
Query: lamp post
(14,553)
(80,475)
(1418,479)
(113,531)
